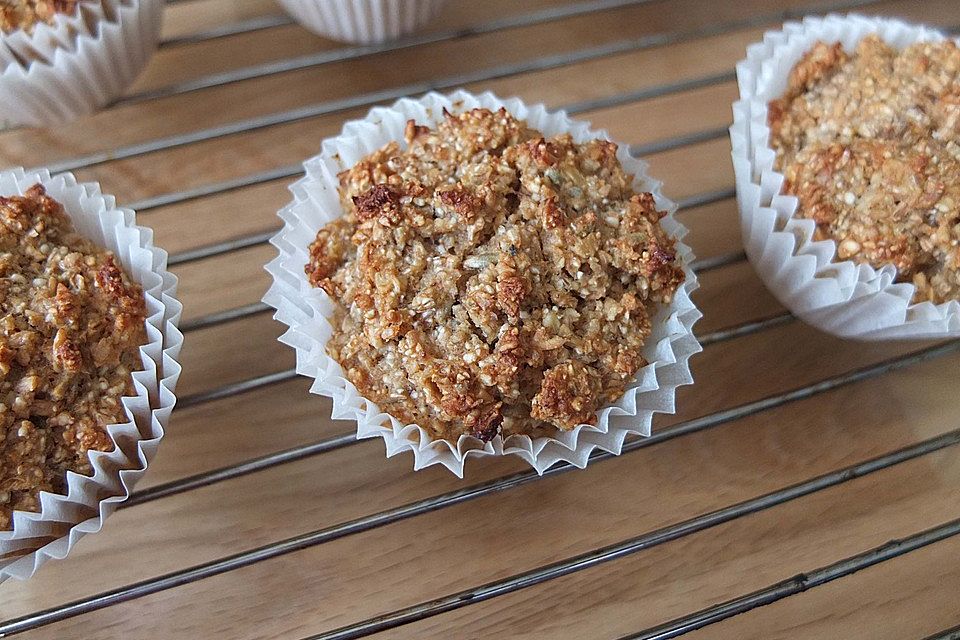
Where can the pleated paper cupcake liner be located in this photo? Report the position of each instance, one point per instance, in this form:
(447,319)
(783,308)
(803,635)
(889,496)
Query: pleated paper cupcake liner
(839,297)
(307,311)
(64,519)
(363,21)
(78,65)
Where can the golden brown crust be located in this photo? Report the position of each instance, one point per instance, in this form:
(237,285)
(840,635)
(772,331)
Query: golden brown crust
(71,323)
(26,14)
(868,143)
(491,280)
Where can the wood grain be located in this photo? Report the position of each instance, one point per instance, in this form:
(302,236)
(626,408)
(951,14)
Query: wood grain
(491,538)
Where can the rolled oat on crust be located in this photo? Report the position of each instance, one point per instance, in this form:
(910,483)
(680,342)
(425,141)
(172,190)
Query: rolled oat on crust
(868,142)
(71,324)
(490,281)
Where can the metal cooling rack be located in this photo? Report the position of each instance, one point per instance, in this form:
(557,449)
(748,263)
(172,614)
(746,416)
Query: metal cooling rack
(815,577)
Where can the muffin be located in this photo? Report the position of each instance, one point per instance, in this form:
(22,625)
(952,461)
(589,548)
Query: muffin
(490,280)
(363,21)
(869,142)
(469,277)
(845,155)
(71,326)
(62,59)
(88,348)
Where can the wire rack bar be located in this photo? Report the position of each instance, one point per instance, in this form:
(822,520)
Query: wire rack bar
(799,584)
(677,142)
(304,541)
(236,388)
(244,26)
(222,317)
(246,311)
(948,634)
(219,248)
(368,99)
(747,328)
(343,54)
(545,573)
(289,171)
(237,470)
(722,260)
(262,237)
(215,188)
(643,542)
(305,451)
(246,241)
(250,384)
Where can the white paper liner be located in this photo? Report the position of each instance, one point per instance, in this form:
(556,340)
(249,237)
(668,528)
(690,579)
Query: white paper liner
(64,519)
(77,65)
(840,297)
(362,21)
(306,310)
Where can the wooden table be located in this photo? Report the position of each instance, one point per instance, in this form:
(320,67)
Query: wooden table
(793,457)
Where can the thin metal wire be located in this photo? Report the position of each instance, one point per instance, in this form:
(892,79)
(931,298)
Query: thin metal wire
(245,386)
(640,543)
(799,584)
(383,95)
(222,317)
(723,260)
(747,328)
(290,171)
(343,54)
(688,139)
(297,543)
(246,311)
(431,504)
(176,197)
(244,26)
(292,454)
(237,470)
(216,249)
(262,237)
(949,634)
(229,390)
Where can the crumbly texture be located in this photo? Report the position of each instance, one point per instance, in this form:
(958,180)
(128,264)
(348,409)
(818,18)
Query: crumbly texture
(71,324)
(24,15)
(491,281)
(869,142)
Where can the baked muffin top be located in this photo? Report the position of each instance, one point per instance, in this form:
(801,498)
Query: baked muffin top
(25,14)
(71,324)
(490,280)
(868,142)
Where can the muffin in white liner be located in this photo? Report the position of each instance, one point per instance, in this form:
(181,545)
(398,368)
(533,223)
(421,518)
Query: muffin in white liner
(306,310)
(78,64)
(840,297)
(64,519)
(363,21)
